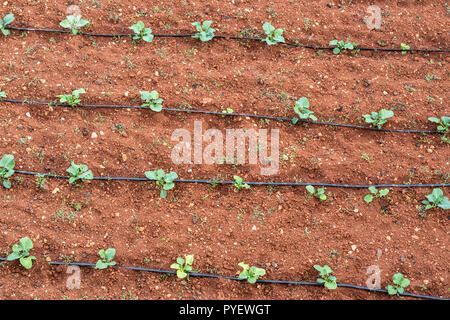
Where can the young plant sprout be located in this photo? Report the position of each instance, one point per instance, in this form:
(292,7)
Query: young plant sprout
(141,32)
(72,99)
(375,194)
(204,32)
(227,110)
(302,109)
(3,23)
(6,169)
(443,126)
(183,266)
(238,183)
(74,23)
(404,47)
(377,119)
(342,46)
(106,257)
(274,36)
(326,277)
(250,274)
(400,283)
(436,199)
(152,100)
(21,251)
(79,172)
(2,94)
(164,181)
(320,193)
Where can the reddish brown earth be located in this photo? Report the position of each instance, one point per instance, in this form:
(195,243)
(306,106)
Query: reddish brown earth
(281,229)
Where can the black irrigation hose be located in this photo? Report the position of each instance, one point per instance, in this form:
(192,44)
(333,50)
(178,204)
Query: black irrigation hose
(256,183)
(291,44)
(222,114)
(215,276)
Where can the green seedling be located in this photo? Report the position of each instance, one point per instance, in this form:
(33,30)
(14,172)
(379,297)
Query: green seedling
(238,183)
(443,126)
(377,119)
(183,266)
(204,32)
(375,194)
(74,23)
(302,109)
(436,199)
(326,278)
(79,172)
(400,283)
(141,32)
(152,100)
(2,94)
(250,274)
(164,181)
(21,251)
(274,36)
(106,257)
(7,169)
(404,47)
(320,193)
(3,23)
(72,99)
(227,110)
(342,46)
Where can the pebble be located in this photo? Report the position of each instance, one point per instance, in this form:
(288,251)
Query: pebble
(94,135)
(28,115)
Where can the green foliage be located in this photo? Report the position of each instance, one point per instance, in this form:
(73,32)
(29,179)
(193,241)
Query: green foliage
(320,193)
(204,32)
(183,266)
(404,47)
(377,119)
(21,251)
(152,100)
(375,194)
(40,181)
(274,36)
(79,172)
(436,199)
(3,23)
(227,110)
(342,46)
(250,274)
(443,126)
(106,257)
(302,109)
(74,23)
(2,94)
(400,283)
(238,183)
(6,169)
(164,181)
(141,32)
(326,278)
(72,99)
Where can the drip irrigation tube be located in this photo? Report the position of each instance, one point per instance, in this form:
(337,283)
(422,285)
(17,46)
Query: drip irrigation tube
(326,123)
(189,35)
(256,183)
(205,275)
